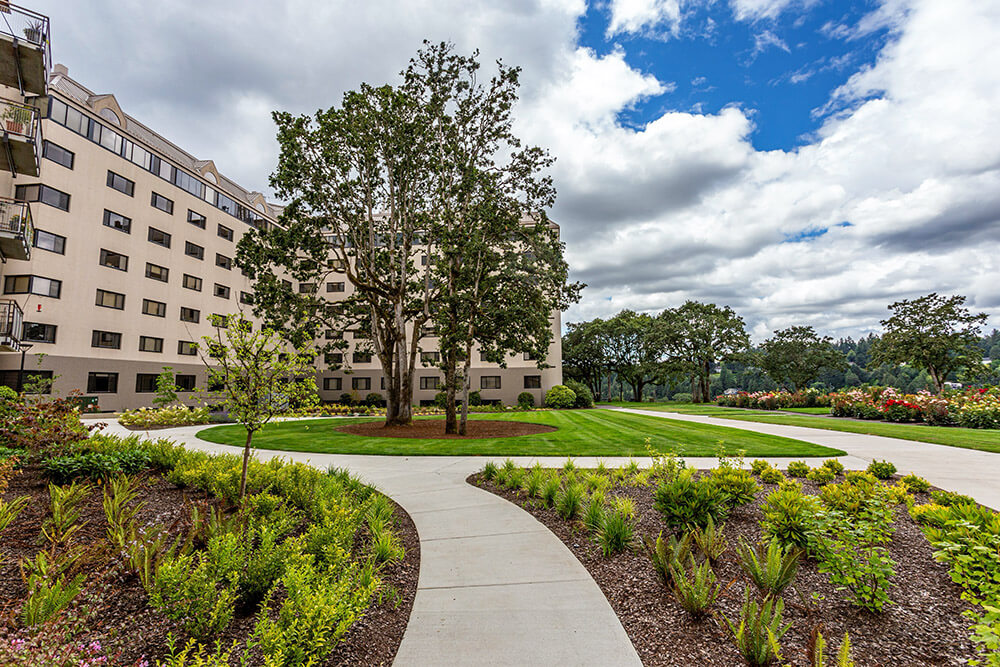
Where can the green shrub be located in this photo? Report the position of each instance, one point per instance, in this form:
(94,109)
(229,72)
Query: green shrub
(758,629)
(489,471)
(533,484)
(94,465)
(475,398)
(7,394)
(560,397)
(163,417)
(772,568)
(593,516)
(682,397)
(695,587)
(950,498)
(847,548)
(798,469)
(916,484)
(570,500)
(664,554)
(738,485)
(689,503)
(821,475)
(615,532)
(757,466)
(881,469)
(833,464)
(190,590)
(526,400)
(550,489)
(772,476)
(584,397)
(710,540)
(790,517)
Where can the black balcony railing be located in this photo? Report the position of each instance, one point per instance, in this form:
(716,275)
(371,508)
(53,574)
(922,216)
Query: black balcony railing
(16,230)
(11,322)
(32,54)
(21,130)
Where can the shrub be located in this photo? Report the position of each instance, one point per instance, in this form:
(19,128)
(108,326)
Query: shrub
(7,394)
(682,397)
(615,532)
(757,466)
(695,587)
(772,476)
(881,469)
(489,470)
(821,475)
(710,540)
(525,400)
(833,464)
(790,517)
(950,498)
(737,484)
(673,551)
(916,484)
(94,465)
(930,514)
(594,514)
(475,398)
(689,503)
(190,590)
(550,489)
(560,397)
(771,567)
(164,417)
(758,629)
(569,502)
(798,469)
(584,397)
(348,399)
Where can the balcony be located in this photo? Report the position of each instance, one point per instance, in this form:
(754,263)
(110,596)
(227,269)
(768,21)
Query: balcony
(22,138)
(11,323)
(25,53)
(16,232)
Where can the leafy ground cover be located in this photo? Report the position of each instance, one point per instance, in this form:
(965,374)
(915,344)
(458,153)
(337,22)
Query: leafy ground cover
(729,566)
(129,552)
(579,433)
(952,436)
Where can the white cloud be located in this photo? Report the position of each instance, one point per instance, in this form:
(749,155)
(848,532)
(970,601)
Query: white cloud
(633,16)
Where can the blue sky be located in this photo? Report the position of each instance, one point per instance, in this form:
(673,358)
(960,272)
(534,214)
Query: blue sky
(783,69)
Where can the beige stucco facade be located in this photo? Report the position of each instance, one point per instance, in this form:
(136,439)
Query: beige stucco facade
(102,259)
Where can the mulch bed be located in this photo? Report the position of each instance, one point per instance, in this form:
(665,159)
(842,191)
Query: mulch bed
(434,429)
(120,617)
(924,627)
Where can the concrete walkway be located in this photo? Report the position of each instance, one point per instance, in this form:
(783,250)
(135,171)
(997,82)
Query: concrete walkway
(967,471)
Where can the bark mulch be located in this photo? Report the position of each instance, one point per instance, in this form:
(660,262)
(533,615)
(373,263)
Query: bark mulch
(434,429)
(925,626)
(115,603)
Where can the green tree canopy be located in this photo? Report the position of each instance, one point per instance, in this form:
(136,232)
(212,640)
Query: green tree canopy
(699,335)
(796,356)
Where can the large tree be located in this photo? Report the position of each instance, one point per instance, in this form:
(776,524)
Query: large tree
(585,354)
(497,260)
(635,349)
(797,355)
(699,335)
(934,333)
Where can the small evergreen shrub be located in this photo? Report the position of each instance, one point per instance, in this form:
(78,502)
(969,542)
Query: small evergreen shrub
(798,469)
(615,534)
(790,517)
(560,397)
(833,464)
(525,400)
(916,484)
(772,476)
(950,498)
(757,466)
(881,469)
(737,484)
(821,475)
(584,397)
(682,397)
(689,503)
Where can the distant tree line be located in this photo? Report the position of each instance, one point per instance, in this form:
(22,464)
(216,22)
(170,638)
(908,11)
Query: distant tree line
(697,351)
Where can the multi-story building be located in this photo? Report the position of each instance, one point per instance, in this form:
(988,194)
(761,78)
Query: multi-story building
(118,249)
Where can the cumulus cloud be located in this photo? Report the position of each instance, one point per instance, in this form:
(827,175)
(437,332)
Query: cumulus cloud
(638,15)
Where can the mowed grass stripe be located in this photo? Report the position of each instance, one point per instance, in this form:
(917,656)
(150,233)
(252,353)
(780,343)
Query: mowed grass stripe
(581,433)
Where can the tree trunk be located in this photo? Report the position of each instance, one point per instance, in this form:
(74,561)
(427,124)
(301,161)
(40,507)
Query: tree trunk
(938,382)
(609,385)
(695,389)
(467,385)
(450,380)
(246,461)
(637,391)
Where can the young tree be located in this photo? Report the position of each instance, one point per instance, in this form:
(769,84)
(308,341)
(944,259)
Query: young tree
(797,355)
(258,374)
(357,179)
(585,355)
(166,388)
(934,333)
(498,261)
(698,336)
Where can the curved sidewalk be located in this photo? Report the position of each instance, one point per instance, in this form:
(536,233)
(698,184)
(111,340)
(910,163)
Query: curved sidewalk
(967,471)
(496,587)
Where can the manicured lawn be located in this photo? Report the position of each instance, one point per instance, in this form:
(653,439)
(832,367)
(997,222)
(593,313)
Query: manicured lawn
(809,411)
(967,438)
(581,433)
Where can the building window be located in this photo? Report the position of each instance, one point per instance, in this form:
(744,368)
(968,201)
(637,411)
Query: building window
(42,193)
(114,260)
(225,232)
(489,382)
(119,222)
(190,315)
(110,340)
(58,154)
(307,288)
(32,285)
(196,219)
(246,297)
(361,358)
(192,282)
(187,348)
(49,241)
(223,261)
(221,291)
(157,272)
(159,237)
(121,184)
(194,250)
(154,308)
(102,383)
(219,321)
(108,299)
(162,203)
(335,287)
(361,384)
(333,358)
(528,357)
(185,382)
(39,382)
(532,381)
(430,357)
(39,333)
(150,344)
(430,382)
(145,383)
(359,334)
(332,384)
(333,335)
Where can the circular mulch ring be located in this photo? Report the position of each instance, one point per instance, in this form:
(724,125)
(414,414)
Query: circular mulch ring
(433,429)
